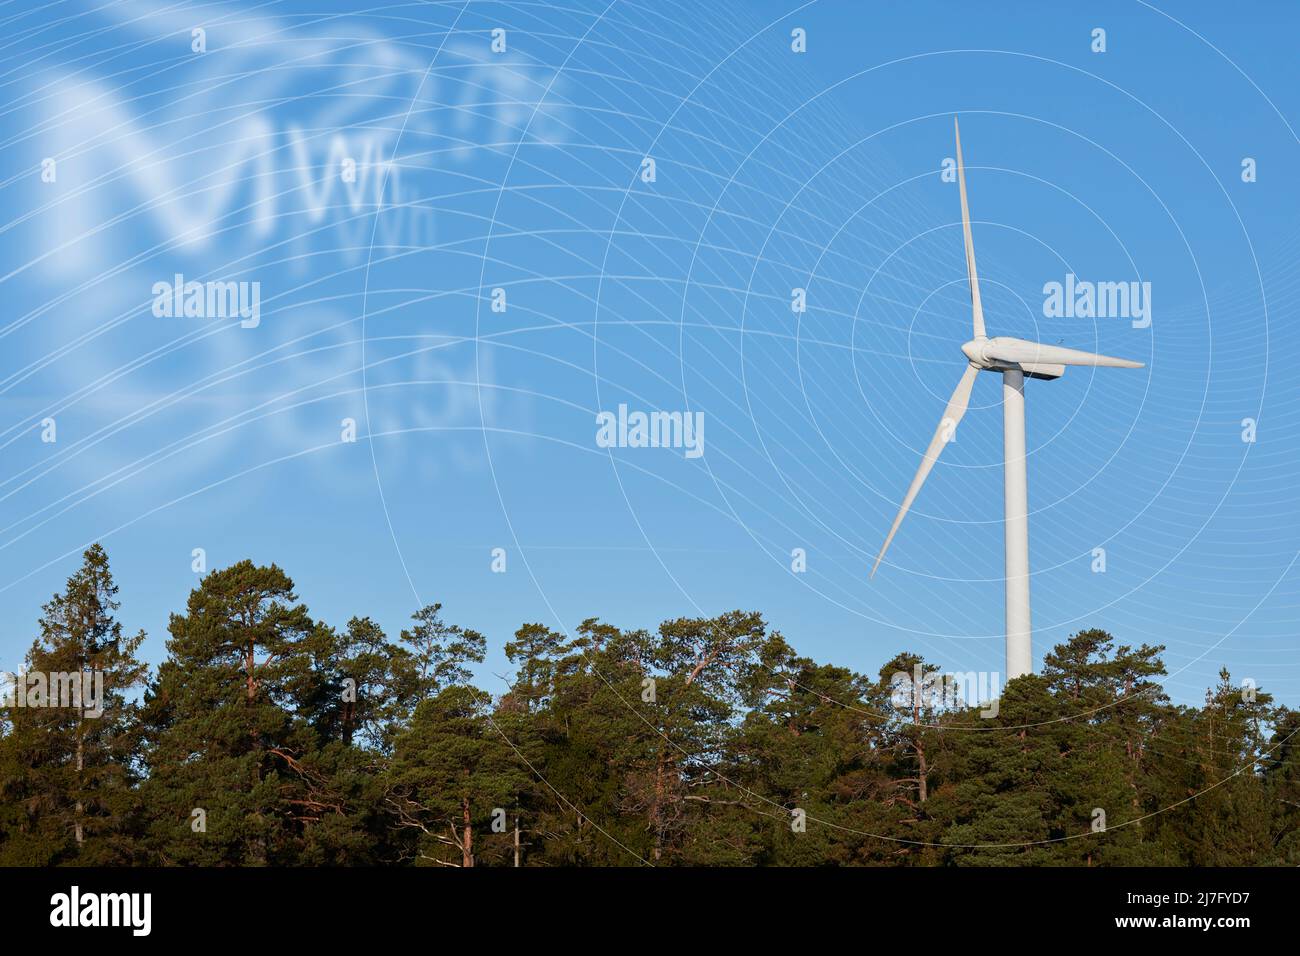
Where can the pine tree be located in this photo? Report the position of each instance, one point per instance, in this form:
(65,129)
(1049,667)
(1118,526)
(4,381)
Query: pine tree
(536,652)
(442,652)
(1281,772)
(453,775)
(68,772)
(229,716)
(811,747)
(1110,705)
(1229,821)
(998,808)
(579,745)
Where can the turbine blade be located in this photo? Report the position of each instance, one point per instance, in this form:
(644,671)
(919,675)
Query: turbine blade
(1019,351)
(942,435)
(977,310)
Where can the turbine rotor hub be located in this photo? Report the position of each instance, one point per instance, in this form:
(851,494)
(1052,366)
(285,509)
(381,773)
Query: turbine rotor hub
(974,351)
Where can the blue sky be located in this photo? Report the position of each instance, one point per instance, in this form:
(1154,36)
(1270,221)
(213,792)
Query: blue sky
(521,170)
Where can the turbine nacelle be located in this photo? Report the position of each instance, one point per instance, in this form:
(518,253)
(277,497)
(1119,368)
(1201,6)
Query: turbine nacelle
(1004,353)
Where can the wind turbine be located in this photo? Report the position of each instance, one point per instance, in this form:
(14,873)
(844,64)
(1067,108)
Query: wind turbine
(1013,359)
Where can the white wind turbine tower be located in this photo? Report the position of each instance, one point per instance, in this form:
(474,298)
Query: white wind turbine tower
(1013,359)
